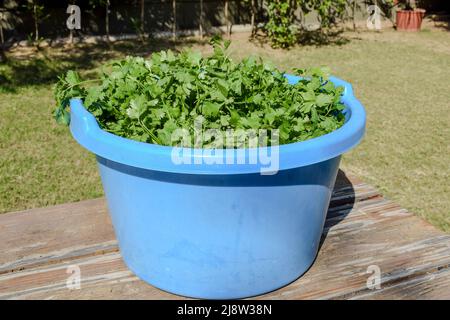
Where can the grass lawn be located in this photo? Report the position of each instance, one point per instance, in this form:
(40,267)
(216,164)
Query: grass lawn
(403,80)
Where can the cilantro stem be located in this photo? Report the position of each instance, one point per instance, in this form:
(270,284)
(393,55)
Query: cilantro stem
(151,134)
(81,82)
(78,83)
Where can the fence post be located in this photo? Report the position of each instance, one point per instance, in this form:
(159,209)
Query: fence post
(142,16)
(227,19)
(252,21)
(174,26)
(107,20)
(201,19)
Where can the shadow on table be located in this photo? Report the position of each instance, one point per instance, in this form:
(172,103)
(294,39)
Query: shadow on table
(342,202)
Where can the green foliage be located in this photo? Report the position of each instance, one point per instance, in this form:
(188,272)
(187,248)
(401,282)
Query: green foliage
(9,17)
(407,4)
(329,11)
(37,11)
(146,100)
(98,3)
(281,27)
(138,28)
(67,88)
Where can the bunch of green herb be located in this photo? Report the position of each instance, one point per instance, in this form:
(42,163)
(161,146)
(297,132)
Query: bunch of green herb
(146,100)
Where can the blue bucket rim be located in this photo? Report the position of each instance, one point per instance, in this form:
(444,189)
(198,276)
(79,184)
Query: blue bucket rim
(86,131)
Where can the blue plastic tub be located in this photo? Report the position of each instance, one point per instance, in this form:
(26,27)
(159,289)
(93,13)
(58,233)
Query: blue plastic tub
(218,231)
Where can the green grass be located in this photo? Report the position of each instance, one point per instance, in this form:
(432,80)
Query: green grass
(403,80)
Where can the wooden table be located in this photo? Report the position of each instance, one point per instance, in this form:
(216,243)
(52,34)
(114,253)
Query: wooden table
(364,231)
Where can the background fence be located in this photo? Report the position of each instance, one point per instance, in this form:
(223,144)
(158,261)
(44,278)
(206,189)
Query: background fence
(158,15)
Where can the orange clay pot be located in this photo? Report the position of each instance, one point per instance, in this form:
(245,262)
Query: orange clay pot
(410,20)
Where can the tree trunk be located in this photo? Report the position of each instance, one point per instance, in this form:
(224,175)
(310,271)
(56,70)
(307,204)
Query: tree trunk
(353,14)
(201,20)
(107,20)
(2,54)
(2,49)
(227,19)
(252,21)
(142,15)
(2,38)
(174,25)
(36,26)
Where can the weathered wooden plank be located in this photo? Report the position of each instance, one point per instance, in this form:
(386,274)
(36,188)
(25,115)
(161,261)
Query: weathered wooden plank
(65,232)
(374,232)
(33,237)
(430,285)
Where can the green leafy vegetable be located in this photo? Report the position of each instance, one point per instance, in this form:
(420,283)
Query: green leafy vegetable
(147,100)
